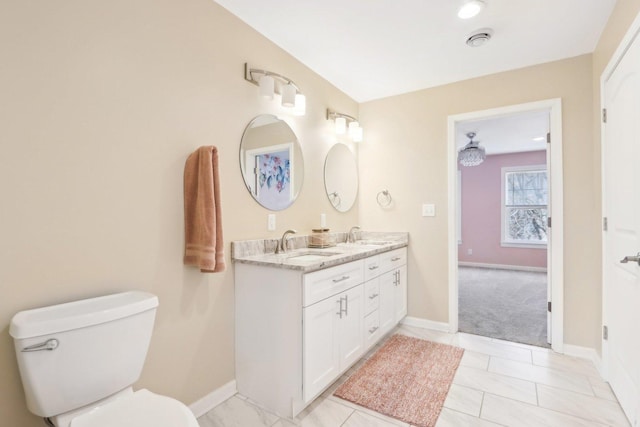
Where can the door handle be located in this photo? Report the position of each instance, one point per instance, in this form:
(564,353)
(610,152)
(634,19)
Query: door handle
(632,258)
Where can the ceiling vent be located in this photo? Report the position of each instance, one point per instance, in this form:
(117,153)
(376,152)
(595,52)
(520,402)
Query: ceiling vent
(480,37)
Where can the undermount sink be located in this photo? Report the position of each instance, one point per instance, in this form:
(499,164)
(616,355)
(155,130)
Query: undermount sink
(311,255)
(372,242)
(367,243)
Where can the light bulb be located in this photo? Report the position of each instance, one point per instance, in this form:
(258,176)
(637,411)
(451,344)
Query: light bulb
(266,86)
(341,125)
(301,105)
(352,128)
(288,95)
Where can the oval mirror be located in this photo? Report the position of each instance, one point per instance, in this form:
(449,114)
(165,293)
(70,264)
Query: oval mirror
(341,177)
(271,162)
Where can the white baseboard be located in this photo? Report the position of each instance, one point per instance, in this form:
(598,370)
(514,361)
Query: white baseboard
(213,399)
(584,353)
(426,324)
(502,266)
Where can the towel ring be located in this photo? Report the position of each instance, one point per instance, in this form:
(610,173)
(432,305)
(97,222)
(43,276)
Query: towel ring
(384,198)
(334,198)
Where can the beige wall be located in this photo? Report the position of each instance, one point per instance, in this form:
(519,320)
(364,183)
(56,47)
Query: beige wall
(411,130)
(102,102)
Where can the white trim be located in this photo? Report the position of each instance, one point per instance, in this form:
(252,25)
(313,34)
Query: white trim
(527,245)
(622,48)
(556,244)
(584,353)
(213,399)
(502,266)
(503,208)
(425,324)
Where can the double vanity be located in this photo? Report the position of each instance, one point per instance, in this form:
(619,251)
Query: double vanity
(305,316)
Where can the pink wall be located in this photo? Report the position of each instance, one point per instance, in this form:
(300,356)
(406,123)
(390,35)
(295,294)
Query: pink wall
(481,204)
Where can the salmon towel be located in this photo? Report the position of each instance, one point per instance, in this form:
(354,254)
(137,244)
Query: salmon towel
(203,247)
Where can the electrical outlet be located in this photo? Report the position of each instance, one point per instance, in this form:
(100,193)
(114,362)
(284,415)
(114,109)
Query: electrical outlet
(469,251)
(271,222)
(428,209)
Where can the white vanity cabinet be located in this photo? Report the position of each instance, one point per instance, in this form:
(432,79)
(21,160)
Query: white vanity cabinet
(297,332)
(393,289)
(332,326)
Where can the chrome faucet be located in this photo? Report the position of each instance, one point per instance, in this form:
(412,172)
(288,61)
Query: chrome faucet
(351,237)
(282,246)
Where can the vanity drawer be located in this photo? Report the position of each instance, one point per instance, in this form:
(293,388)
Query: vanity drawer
(371,267)
(393,259)
(371,329)
(371,295)
(324,283)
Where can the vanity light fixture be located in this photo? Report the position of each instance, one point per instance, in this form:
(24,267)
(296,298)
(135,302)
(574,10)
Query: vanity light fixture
(344,120)
(270,83)
(470,8)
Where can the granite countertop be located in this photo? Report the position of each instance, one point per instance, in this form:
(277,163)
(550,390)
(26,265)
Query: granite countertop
(302,258)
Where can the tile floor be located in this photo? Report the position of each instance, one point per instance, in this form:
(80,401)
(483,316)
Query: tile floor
(498,383)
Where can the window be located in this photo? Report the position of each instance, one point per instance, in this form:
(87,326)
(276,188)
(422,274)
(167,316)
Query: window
(524,206)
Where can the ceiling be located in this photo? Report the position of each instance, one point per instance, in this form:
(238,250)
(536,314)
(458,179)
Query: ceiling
(507,134)
(372,49)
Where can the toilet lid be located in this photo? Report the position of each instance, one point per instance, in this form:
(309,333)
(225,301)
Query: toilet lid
(141,409)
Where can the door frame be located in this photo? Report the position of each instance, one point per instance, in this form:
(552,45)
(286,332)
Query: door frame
(625,43)
(555,269)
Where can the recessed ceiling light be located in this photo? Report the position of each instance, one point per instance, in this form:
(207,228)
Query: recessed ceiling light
(470,9)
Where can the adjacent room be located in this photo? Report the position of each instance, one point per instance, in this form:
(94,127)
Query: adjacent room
(246,213)
(503,209)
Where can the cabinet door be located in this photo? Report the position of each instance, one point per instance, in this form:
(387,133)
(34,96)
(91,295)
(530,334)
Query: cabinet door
(400,297)
(371,295)
(386,304)
(350,326)
(321,362)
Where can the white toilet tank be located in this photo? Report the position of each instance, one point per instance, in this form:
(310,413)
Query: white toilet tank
(74,354)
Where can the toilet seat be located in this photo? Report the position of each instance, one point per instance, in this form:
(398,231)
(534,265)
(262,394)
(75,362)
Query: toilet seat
(140,409)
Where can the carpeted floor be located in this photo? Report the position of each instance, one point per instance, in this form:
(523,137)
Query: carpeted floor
(505,304)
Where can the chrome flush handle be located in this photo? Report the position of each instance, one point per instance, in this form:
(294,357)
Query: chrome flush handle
(50,344)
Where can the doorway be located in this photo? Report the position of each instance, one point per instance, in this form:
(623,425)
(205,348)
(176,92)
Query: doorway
(502,241)
(460,123)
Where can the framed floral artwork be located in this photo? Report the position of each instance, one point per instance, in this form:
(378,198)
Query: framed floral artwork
(273,175)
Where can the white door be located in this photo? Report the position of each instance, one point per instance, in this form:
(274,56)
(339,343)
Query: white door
(387,305)
(321,353)
(351,326)
(400,297)
(621,206)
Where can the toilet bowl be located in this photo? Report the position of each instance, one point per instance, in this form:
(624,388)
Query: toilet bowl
(79,360)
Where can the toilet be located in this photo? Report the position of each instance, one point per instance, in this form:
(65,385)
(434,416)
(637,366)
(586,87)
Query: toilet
(79,360)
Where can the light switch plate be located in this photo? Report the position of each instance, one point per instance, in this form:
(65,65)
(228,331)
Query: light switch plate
(271,222)
(428,209)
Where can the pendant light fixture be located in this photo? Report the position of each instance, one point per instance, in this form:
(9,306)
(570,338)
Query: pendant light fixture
(472,154)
